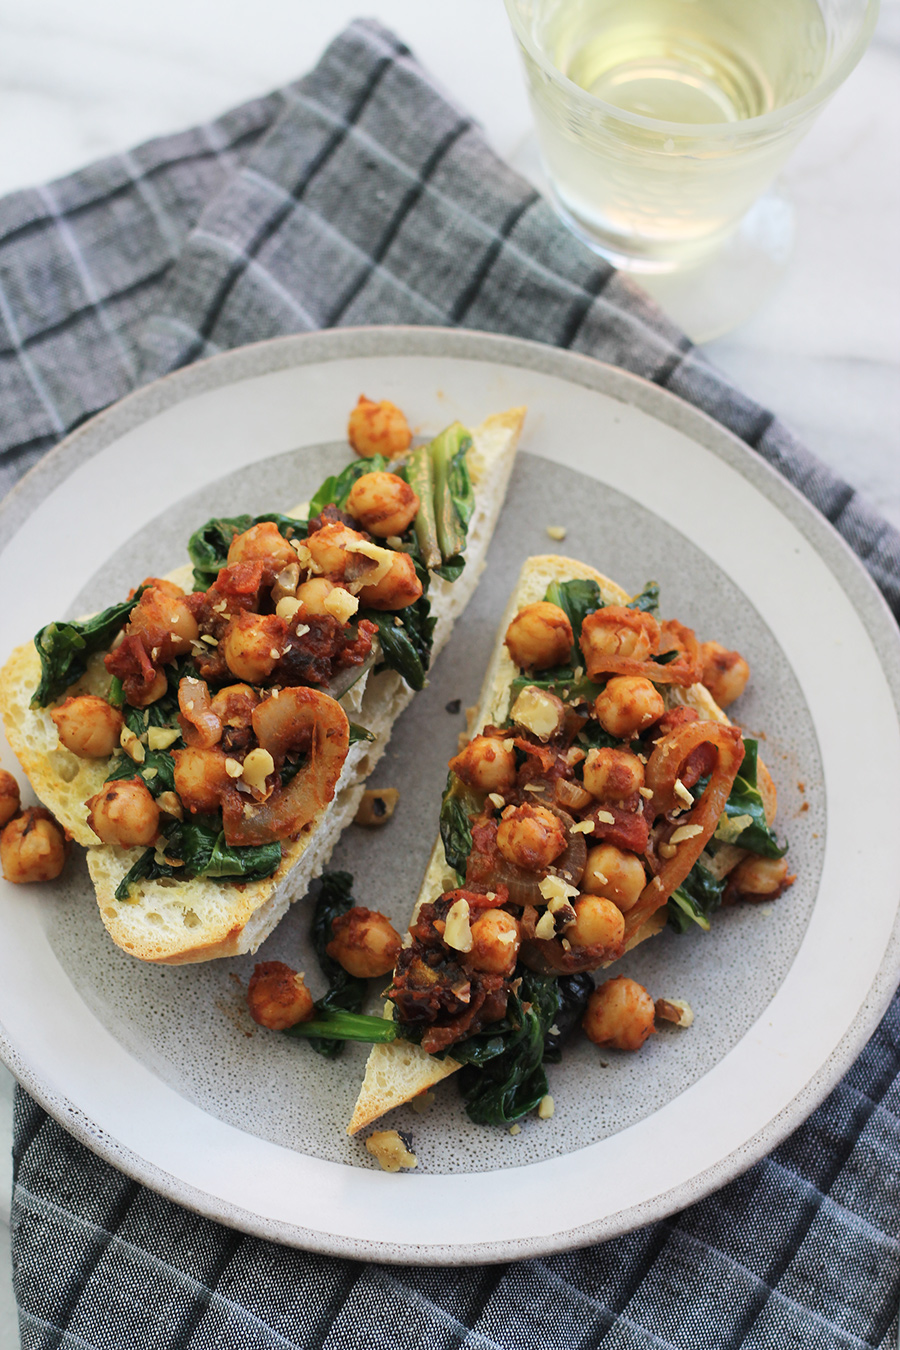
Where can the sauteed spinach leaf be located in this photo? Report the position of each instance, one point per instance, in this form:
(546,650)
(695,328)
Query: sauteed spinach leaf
(202,850)
(63,647)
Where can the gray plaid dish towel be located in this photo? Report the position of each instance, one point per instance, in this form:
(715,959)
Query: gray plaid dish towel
(360,195)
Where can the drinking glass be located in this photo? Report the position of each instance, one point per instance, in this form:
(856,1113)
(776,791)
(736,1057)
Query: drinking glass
(661,124)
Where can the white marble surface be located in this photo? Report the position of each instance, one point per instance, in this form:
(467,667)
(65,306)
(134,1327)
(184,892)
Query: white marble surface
(78,81)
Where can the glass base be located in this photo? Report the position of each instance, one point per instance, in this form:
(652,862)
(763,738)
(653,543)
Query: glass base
(711,294)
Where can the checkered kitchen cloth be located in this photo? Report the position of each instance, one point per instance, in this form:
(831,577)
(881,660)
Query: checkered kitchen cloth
(360,195)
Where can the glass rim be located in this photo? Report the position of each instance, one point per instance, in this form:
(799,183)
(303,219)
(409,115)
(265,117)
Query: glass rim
(746,126)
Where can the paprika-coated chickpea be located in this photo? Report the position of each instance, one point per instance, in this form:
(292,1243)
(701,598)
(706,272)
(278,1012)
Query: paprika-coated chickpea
(277,997)
(614,873)
(9,797)
(252,645)
(398,588)
(378,429)
(200,778)
(88,726)
(598,923)
(612,775)
(142,697)
(383,504)
(725,673)
(628,705)
(312,593)
(167,622)
(124,813)
(32,847)
(539,636)
(760,876)
(531,836)
(620,1013)
(486,764)
(329,548)
(234,704)
(495,942)
(365,943)
(264,540)
(618,631)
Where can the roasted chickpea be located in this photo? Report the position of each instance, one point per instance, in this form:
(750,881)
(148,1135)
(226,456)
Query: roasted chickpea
(398,588)
(378,429)
(277,997)
(252,645)
(725,673)
(124,813)
(264,540)
(531,836)
(539,711)
(32,847)
(620,1013)
(539,636)
(598,923)
(200,778)
(312,593)
(141,697)
(611,775)
(628,705)
(495,942)
(329,546)
(167,621)
(618,631)
(234,705)
(486,764)
(760,876)
(614,873)
(365,943)
(9,797)
(383,504)
(88,726)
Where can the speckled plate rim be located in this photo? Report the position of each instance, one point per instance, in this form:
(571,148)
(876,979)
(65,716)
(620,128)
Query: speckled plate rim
(336,345)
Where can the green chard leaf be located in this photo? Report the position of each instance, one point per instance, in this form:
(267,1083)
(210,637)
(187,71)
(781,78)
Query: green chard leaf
(157,771)
(457,805)
(420,476)
(406,639)
(500,1087)
(63,647)
(454,500)
(647,600)
(577,599)
(745,817)
(695,900)
(358,733)
(203,852)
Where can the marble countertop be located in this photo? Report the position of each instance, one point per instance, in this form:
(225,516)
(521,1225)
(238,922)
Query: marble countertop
(81,81)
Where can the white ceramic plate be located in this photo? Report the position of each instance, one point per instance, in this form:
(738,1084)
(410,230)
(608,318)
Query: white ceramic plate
(161,1072)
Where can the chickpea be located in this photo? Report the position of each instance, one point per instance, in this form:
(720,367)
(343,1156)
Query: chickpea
(598,923)
(277,997)
(365,943)
(200,778)
(88,726)
(252,645)
(531,837)
(615,874)
(383,504)
(312,593)
(486,764)
(32,847)
(264,540)
(539,636)
(140,697)
(618,631)
(760,876)
(495,943)
(329,546)
(378,429)
(124,813)
(167,621)
(234,705)
(611,775)
(629,704)
(725,673)
(620,1013)
(398,588)
(9,797)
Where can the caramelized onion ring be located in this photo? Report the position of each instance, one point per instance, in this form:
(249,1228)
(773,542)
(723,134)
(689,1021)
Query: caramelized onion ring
(297,717)
(200,726)
(662,770)
(684,670)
